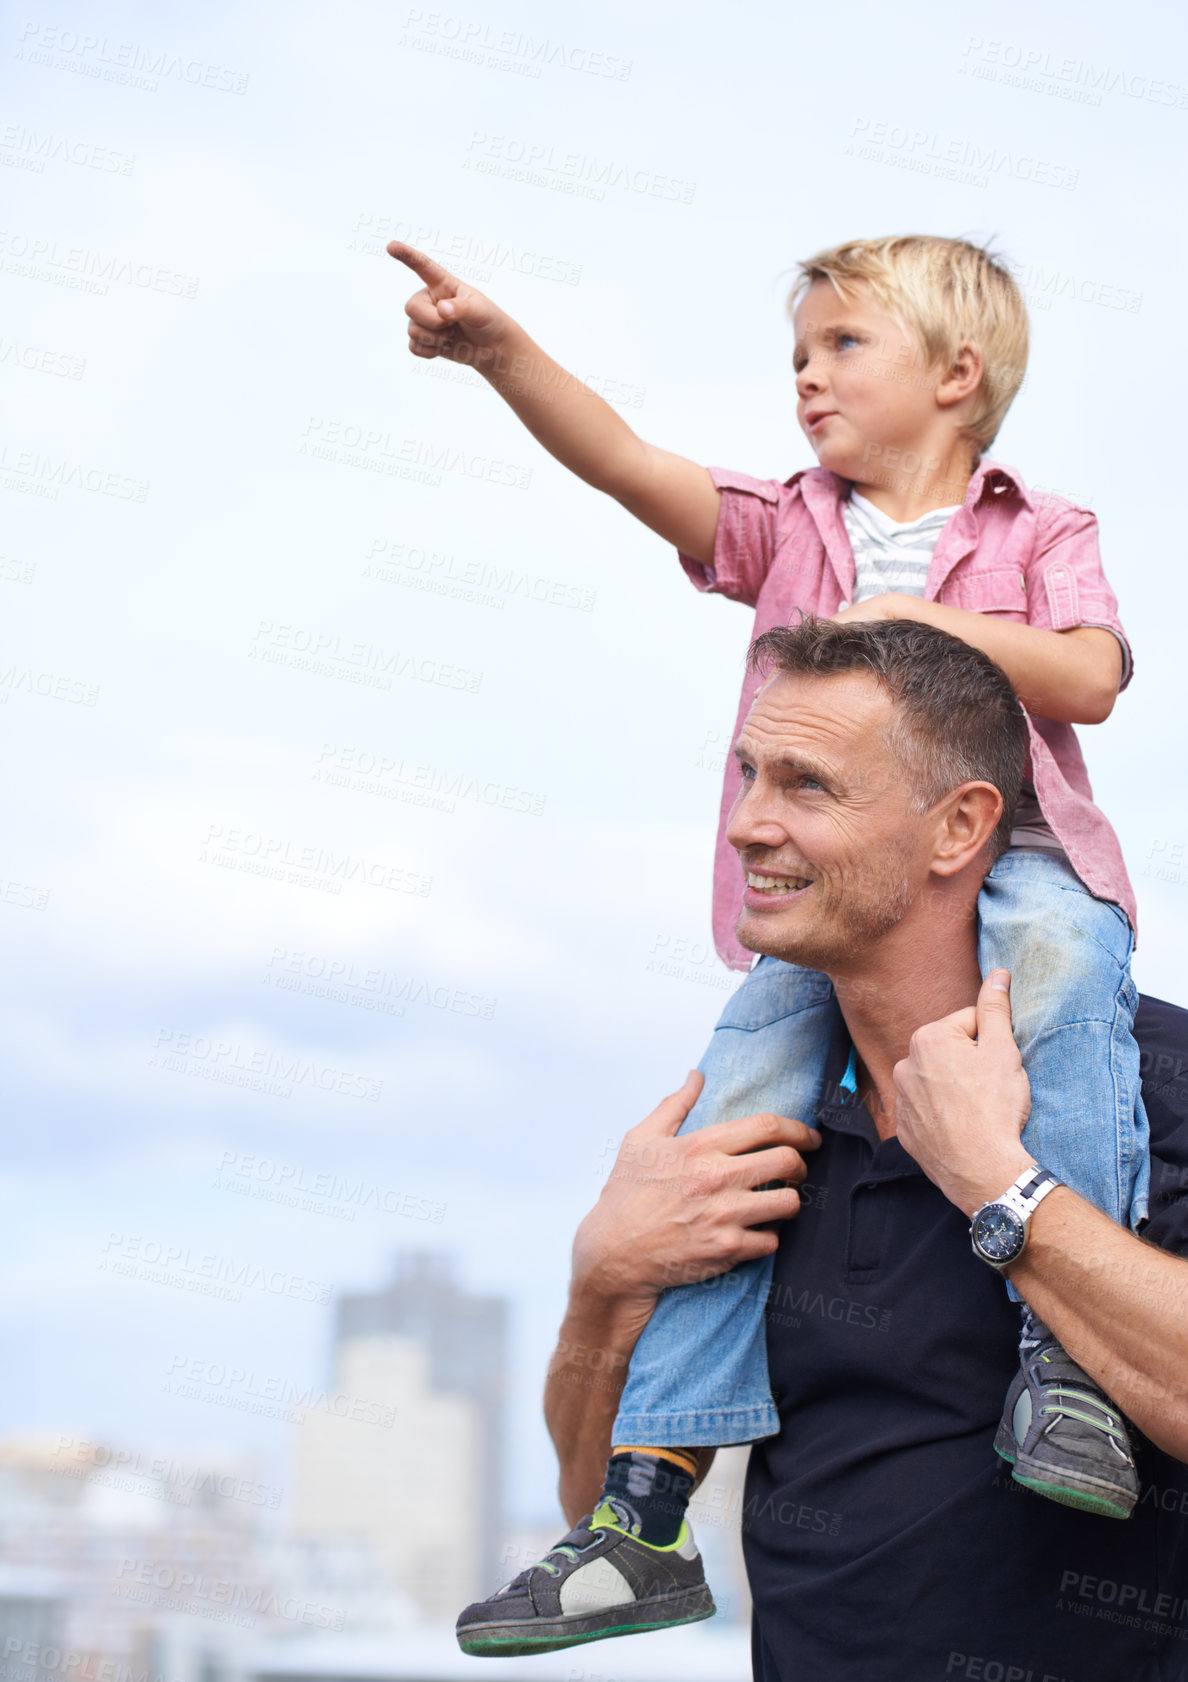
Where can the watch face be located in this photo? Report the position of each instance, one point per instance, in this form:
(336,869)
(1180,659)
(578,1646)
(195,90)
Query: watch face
(998,1233)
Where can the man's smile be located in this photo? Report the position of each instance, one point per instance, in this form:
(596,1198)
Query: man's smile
(773,887)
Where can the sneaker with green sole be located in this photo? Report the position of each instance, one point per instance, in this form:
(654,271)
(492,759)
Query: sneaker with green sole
(599,1581)
(1065,1438)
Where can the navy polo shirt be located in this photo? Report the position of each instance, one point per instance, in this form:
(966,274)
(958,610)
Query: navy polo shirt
(885,1540)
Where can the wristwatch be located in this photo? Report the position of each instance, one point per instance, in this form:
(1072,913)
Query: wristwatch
(998,1230)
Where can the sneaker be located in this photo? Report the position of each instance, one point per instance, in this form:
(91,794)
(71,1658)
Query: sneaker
(599,1581)
(1065,1438)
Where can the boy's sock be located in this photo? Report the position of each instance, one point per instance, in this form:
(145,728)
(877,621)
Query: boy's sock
(654,1484)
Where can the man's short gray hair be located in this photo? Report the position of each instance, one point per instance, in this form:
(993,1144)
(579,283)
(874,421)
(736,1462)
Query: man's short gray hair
(957,718)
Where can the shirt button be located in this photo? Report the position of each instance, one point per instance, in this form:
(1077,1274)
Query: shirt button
(842,607)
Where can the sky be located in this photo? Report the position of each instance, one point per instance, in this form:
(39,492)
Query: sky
(362,765)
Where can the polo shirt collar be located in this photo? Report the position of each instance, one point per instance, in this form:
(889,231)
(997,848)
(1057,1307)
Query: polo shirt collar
(842,1111)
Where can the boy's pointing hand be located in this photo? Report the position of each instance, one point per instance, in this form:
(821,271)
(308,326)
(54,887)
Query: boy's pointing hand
(447,317)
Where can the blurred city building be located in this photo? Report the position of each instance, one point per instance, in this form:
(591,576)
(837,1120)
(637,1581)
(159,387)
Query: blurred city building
(118,1565)
(122,1564)
(411,1463)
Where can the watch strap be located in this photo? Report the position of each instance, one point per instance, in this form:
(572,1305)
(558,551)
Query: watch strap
(1028,1191)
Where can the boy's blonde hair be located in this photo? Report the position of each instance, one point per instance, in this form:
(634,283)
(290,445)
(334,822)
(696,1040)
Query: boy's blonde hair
(946,292)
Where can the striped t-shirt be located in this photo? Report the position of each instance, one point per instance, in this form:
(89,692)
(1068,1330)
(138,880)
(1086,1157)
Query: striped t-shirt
(894,558)
(889,557)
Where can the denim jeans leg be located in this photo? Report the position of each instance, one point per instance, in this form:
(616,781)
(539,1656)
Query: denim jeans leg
(698,1376)
(1072,1005)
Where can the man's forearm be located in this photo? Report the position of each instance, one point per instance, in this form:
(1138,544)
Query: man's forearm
(585,1381)
(1119,1306)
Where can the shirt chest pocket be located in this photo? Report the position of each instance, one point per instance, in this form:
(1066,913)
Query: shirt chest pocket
(1002,592)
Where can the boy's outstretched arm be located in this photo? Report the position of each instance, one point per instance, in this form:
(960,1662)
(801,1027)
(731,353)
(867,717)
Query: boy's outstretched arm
(675,497)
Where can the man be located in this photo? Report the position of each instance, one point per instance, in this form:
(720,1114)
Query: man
(889,1344)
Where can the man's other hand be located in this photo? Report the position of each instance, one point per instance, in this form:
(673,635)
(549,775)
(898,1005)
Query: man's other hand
(964,1098)
(675,1210)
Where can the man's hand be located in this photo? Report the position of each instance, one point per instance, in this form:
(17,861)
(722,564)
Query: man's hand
(447,317)
(672,1211)
(675,1210)
(964,1098)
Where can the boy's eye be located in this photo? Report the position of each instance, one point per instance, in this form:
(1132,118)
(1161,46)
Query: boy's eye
(844,340)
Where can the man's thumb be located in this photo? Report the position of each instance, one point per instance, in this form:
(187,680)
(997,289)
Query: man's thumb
(994,1003)
(671,1111)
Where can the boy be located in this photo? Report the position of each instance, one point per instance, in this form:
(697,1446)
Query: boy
(908,353)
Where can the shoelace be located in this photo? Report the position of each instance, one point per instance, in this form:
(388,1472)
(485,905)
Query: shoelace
(1108,1423)
(570,1553)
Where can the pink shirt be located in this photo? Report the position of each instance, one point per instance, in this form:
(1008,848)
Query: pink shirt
(1006,551)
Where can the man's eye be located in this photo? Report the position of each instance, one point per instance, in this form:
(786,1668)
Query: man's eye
(747,772)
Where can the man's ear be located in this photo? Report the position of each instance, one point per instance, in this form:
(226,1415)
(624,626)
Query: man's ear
(963,376)
(967,819)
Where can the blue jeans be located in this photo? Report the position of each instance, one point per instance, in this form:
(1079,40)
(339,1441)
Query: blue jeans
(698,1376)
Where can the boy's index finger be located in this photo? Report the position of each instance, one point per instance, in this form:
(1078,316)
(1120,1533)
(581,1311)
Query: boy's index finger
(425,268)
